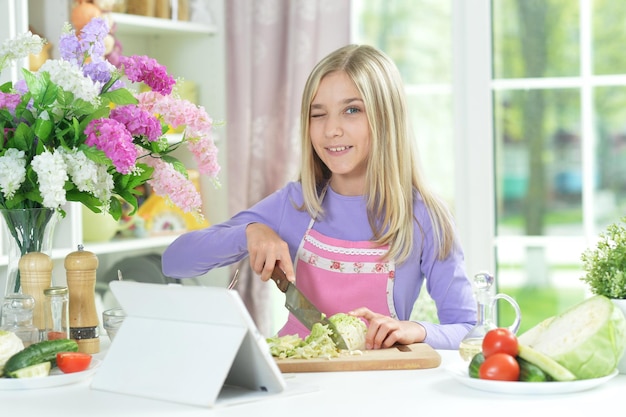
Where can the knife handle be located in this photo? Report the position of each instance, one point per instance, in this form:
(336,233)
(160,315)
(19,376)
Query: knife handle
(279,277)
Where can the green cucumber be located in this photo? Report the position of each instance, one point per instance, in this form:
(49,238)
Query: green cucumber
(36,353)
(33,371)
(529,372)
(475,363)
(548,365)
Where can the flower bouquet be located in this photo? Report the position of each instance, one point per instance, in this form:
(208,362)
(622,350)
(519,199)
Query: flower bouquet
(72,131)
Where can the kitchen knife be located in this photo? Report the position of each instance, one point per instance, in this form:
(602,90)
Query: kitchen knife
(303,309)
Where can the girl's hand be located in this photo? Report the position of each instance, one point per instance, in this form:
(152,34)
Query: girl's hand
(266,250)
(384,331)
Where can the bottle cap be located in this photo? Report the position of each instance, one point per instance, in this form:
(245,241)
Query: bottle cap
(55,291)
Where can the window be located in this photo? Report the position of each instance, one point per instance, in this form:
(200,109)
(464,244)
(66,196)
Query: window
(544,108)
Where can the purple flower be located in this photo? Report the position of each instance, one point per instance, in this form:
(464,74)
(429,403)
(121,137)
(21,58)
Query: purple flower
(111,137)
(69,48)
(138,122)
(98,71)
(148,70)
(20,86)
(92,38)
(90,44)
(9,101)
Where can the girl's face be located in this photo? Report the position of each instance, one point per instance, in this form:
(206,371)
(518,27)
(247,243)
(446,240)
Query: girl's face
(339,132)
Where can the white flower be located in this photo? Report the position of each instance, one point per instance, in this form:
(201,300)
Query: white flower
(12,172)
(20,47)
(52,173)
(89,176)
(70,78)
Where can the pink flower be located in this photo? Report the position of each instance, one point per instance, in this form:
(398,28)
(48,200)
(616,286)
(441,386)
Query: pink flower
(111,137)
(168,182)
(9,101)
(205,154)
(138,122)
(176,112)
(148,70)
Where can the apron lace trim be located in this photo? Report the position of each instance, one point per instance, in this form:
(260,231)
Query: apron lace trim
(344,251)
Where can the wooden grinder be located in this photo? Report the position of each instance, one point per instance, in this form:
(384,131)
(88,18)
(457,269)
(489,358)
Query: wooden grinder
(81,269)
(36,275)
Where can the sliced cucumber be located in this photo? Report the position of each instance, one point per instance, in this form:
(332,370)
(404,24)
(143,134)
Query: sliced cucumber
(33,371)
(557,371)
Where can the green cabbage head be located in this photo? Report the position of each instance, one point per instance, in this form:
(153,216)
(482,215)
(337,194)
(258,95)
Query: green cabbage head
(10,344)
(588,339)
(351,328)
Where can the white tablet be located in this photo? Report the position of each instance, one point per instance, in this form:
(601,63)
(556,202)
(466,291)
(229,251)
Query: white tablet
(189,344)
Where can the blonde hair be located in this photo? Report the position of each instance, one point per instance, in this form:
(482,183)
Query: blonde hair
(393,174)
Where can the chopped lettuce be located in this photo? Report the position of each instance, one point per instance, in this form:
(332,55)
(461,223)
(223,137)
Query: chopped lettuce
(319,344)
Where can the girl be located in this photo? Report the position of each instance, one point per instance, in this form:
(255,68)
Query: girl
(360,227)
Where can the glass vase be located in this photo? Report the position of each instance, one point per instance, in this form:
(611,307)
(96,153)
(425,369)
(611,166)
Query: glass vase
(26,230)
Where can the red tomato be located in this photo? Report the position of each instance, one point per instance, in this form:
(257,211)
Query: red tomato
(69,362)
(499,367)
(500,340)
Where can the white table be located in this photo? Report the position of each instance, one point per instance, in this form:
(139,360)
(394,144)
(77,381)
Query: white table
(432,392)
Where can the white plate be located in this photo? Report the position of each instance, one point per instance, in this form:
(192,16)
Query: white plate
(514,387)
(56,379)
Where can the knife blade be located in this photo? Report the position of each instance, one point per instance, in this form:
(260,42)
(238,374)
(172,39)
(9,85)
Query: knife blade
(303,309)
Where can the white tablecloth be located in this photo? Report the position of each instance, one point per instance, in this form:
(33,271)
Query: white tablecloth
(422,392)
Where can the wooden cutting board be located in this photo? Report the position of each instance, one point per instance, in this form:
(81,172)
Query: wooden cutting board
(415,356)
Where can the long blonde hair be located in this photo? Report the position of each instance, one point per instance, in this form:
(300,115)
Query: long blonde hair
(393,175)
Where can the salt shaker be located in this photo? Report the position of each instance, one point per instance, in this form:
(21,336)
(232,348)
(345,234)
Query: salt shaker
(56,313)
(81,269)
(36,275)
(17,317)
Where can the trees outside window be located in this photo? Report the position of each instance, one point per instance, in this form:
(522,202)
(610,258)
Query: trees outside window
(556,125)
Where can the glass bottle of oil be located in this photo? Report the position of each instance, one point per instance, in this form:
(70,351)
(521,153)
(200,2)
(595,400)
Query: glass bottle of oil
(485,303)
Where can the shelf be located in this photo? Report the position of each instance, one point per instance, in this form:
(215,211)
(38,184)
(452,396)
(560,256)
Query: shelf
(134,24)
(129,245)
(112,246)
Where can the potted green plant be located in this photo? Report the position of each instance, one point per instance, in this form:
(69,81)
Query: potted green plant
(605,264)
(605,269)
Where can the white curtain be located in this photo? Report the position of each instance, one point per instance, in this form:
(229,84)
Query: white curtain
(272,45)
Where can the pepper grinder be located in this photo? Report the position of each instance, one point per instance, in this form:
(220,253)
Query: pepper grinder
(36,275)
(80,269)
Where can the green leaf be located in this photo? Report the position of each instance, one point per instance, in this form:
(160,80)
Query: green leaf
(48,93)
(84,198)
(81,107)
(121,96)
(43,128)
(115,208)
(99,113)
(6,87)
(23,138)
(95,155)
(178,166)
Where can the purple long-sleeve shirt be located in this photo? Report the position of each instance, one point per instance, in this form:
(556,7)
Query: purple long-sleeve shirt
(196,252)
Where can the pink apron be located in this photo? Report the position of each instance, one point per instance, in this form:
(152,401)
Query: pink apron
(340,275)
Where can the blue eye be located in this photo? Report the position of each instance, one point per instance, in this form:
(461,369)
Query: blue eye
(352,110)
